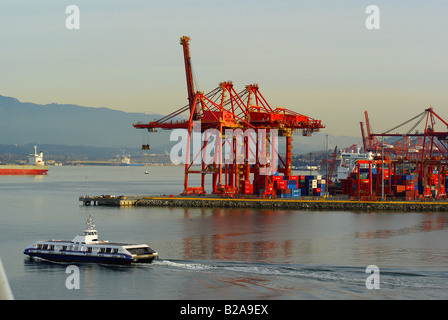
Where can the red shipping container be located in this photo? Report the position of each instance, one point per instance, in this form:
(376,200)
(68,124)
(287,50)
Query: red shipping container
(277,178)
(261,181)
(395,180)
(410,195)
(398,188)
(296,178)
(280,184)
(365,185)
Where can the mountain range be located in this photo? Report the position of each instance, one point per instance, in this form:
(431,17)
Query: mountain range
(25,123)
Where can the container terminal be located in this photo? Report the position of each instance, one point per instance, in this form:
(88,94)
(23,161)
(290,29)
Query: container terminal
(238,151)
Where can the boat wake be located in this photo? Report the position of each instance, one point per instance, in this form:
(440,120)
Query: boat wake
(322,273)
(350,278)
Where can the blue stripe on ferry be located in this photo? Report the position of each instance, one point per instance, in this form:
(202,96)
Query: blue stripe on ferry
(74,258)
(29,250)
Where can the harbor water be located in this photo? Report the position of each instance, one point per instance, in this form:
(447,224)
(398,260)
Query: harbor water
(213,253)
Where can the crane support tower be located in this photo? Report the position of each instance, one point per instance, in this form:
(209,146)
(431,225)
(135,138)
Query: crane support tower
(246,124)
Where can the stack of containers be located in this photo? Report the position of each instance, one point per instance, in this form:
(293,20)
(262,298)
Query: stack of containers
(315,185)
(347,186)
(247,187)
(288,186)
(446,184)
(293,185)
(321,187)
(281,187)
(405,185)
(301,184)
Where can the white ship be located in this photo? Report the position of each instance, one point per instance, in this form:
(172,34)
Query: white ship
(126,161)
(87,248)
(349,162)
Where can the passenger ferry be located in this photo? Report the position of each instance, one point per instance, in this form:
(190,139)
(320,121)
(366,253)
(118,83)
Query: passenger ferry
(87,248)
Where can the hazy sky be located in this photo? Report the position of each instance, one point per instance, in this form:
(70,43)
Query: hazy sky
(313,57)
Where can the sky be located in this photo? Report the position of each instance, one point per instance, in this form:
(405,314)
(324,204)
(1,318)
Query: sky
(316,57)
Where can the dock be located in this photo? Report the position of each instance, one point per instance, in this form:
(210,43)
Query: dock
(109,200)
(321,204)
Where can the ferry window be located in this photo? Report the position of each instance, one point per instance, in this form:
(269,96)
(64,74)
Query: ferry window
(89,249)
(115,250)
(64,248)
(51,247)
(101,250)
(39,246)
(45,246)
(108,250)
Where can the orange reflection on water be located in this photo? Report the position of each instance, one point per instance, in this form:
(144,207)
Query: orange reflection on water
(428,225)
(235,234)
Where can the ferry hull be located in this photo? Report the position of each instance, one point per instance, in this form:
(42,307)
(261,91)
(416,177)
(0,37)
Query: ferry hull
(23,170)
(89,258)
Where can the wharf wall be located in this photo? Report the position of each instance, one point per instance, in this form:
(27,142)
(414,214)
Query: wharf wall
(280,204)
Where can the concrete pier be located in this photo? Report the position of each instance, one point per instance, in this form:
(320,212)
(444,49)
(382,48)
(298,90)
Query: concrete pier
(120,201)
(276,204)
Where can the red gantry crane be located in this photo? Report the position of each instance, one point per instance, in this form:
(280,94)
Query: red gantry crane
(421,153)
(224,117)
(428,143)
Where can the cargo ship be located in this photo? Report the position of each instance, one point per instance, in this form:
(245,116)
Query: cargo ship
(35,166)
(349,162)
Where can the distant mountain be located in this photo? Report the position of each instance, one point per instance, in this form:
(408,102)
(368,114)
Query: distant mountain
(24,123)
(65,124)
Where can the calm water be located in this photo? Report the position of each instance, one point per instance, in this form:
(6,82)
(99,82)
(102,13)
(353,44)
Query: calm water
(215,253)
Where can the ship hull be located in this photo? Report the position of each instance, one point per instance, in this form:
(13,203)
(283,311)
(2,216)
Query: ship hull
(82,257)
(23,170)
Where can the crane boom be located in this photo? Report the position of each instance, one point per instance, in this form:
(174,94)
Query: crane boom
(184,41)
